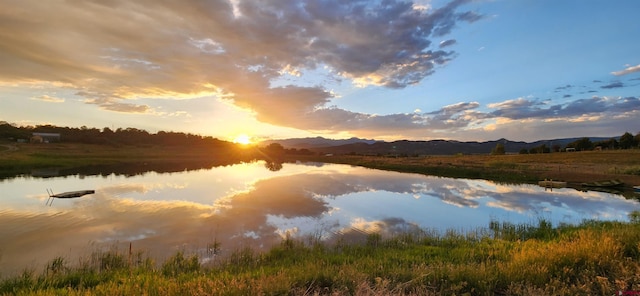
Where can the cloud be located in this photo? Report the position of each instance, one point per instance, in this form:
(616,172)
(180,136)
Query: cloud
(456,108)
(47,98)
(446,43)
(112,103)
(613,85)
(448,117)
(534,119)
(584,106)
(564,87)
(116,51)
(522,108)
(462,119)
(628,70)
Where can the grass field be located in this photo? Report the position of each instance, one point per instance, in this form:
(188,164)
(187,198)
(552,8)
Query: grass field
(573,167)
(595,258)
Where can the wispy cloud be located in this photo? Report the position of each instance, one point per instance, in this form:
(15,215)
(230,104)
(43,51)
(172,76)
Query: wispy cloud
(115,104)
(446,43)
(628,70)
(613,85)
(49,99)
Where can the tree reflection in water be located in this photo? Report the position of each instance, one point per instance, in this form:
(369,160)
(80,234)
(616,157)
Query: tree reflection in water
(214,211)
(273,165)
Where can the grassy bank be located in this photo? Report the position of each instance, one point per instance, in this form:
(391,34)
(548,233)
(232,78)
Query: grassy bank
(23,158)
(594,258)
(575,167)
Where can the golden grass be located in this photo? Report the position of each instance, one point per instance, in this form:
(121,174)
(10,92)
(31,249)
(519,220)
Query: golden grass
(595,258)
(573,167)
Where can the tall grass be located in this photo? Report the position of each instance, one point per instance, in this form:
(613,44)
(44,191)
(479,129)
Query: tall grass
(593,258)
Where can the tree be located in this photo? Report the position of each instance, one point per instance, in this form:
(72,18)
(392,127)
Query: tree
(581,144)
(273,166)
(498,150)
(627,141)
(540,149)
(607,144)
(10,131)
(274,149)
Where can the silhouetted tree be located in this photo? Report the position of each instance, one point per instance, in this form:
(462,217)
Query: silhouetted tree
(581,144)
(274,149)
(607,144)
(10,131)
(627,141)
(540,149)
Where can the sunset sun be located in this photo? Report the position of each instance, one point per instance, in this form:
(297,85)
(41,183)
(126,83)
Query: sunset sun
(242,139)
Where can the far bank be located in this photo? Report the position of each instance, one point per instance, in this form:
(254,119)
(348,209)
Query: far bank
(572,167)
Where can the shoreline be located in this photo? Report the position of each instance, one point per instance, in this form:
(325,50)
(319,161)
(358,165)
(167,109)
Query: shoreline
(574,168)
(571,167)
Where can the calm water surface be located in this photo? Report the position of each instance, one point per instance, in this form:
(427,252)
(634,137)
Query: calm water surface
(249,205)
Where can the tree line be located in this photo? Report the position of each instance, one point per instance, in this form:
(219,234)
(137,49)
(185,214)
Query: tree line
(139,137)
(107,136)
(626,141)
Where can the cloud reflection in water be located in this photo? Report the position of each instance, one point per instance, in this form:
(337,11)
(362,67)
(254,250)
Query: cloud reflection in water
(300,200)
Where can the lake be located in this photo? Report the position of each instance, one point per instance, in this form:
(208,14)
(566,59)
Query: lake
(254,205)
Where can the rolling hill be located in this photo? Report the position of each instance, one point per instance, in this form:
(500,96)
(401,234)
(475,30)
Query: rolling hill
(406,147)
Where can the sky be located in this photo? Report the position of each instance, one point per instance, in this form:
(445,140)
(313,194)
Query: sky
(473,70)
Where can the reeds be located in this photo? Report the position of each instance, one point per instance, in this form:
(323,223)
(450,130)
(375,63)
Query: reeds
(588,259)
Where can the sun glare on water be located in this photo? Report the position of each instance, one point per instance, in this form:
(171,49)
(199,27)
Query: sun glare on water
(242,139)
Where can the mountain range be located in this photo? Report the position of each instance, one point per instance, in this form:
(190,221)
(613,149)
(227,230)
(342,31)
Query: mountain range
(406,147)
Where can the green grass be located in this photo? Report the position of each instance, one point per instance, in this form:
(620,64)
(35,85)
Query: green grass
(593,258)
(633,170)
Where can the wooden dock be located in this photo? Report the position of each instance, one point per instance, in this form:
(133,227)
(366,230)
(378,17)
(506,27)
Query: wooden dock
(552,184)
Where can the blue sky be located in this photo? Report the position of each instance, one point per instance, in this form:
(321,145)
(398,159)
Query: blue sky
(388,70)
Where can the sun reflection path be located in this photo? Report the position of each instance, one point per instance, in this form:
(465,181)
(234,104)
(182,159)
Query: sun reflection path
(247,205)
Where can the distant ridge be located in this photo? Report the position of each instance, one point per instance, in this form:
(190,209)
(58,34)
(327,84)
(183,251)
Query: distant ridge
(406,147)
(317,142)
